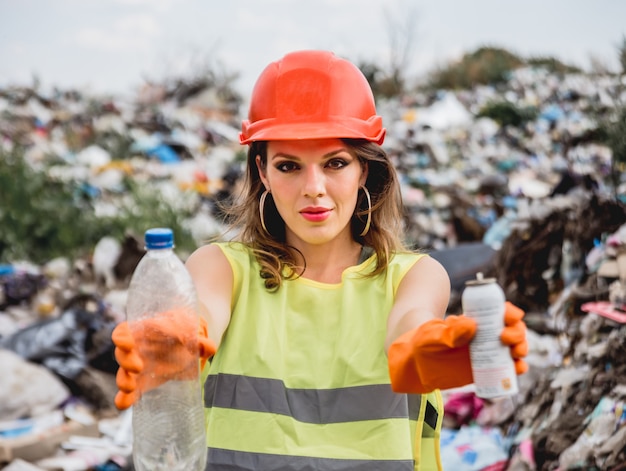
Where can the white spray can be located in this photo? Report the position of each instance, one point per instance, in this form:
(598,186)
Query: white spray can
(493,368)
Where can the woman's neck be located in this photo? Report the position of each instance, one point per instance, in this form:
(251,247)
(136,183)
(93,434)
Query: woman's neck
(326,263)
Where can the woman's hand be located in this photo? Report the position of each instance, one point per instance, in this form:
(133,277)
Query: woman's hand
(435,355)
(155,350)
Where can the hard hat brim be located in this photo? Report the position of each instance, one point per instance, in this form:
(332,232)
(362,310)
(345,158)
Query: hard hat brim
(263,131)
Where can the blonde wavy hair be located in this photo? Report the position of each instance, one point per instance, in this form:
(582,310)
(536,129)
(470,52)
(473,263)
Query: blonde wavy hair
(270,247)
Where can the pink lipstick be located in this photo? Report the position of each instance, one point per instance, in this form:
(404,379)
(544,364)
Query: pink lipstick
(315,214)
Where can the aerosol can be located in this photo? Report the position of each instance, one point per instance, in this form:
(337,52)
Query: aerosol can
(493,368)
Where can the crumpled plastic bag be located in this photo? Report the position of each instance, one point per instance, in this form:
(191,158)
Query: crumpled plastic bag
(68,343)
(27,389)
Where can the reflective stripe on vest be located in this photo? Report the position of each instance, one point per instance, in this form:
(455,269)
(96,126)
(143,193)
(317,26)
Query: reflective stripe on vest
(227,460)
(370,402)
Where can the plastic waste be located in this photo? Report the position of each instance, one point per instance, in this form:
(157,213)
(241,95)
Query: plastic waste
(164,153)
(106,254)
(6,269)
(68,343)
(168,420)
(28,391)
(473,448)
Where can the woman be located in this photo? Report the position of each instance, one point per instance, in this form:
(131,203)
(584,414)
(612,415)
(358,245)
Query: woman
(321,319)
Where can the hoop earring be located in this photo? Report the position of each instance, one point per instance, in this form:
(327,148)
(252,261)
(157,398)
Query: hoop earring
(369,211)
(262,209)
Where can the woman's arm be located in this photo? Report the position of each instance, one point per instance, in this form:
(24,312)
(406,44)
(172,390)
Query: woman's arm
(423,294)
(213,278)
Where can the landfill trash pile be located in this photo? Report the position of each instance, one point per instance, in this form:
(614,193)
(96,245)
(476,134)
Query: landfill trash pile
(532,205)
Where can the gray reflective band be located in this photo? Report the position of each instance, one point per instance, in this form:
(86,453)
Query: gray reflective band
(227,460)
(414,400)
(316,406)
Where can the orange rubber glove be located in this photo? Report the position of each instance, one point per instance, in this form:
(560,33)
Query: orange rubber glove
(514,335)
(154,350)
(435,355)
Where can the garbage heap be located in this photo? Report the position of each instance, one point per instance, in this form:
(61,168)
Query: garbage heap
(569,413)
(537,206)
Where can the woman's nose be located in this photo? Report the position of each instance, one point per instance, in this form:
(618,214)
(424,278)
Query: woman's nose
(313,182)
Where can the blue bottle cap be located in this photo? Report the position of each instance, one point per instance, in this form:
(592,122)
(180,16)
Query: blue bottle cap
(159,238)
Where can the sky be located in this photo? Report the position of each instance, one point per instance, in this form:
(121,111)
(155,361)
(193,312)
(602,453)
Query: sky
(112,46)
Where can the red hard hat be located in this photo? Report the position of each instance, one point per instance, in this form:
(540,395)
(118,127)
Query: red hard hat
(312,95)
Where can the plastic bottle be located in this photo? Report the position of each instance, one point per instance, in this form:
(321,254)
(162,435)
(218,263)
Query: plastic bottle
(492,366)
(168,421)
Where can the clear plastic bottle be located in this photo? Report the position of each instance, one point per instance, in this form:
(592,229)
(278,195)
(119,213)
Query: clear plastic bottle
(168,420)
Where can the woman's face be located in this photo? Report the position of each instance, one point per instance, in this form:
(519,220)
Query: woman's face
(314,184)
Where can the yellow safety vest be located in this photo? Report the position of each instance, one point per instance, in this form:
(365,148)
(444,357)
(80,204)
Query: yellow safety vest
(300,381)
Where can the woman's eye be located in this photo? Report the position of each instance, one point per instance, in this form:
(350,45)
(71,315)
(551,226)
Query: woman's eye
(287,166)
(336,163)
